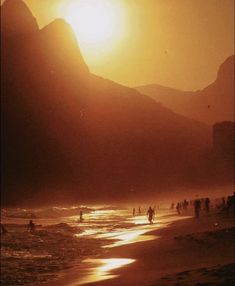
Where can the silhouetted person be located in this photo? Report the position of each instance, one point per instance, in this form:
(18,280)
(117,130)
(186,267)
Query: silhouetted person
(31,226)
(178,208)
(150,214)
(133,212)
(172,206)
(81,215)
(207,204)
(139,210)
(223,203)
(197,207)
(231,202)
(2,229)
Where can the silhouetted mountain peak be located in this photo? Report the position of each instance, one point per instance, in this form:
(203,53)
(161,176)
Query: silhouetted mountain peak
(17,20)
(60,40)
(226,70)
(60,25)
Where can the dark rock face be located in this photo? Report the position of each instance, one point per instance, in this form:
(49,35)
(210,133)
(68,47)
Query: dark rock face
(223,140)
(69,134)
(16,20)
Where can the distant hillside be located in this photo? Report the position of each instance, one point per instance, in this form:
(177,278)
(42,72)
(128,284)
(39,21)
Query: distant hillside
(212,104)
(68,134)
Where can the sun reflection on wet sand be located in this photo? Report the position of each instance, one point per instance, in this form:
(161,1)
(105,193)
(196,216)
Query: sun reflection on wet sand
(130,237)
(100,269)
(124,230)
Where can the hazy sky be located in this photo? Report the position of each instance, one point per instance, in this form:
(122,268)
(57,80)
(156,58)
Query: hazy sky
(176,43)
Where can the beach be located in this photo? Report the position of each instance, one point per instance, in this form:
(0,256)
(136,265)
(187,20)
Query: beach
(187,253)
(117,143)
(175,250)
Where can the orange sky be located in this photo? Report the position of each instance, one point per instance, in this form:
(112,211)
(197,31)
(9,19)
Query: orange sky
(173,43)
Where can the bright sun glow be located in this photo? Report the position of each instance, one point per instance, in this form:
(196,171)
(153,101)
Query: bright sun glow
(98,24)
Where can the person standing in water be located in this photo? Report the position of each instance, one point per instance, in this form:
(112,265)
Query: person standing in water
(133,212)
(31,226)
(81,216)
(2,229)
(150,214)
(139,211)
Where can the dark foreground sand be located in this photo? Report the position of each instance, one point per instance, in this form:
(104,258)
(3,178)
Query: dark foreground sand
(188,252)
(191,252)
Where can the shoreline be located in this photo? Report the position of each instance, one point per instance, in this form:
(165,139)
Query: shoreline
(39,257)
(185,246)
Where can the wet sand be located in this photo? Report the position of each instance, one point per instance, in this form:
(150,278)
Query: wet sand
(186,252)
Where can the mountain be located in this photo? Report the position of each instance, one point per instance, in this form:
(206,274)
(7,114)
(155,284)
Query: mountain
(14,25)
(68,134)
(213,104)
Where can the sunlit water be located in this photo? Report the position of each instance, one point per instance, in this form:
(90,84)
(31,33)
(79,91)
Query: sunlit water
(117,226)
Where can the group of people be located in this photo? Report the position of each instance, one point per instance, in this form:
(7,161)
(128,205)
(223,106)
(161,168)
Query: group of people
(150,213)
(204,204)
(30,227)
(198,204)
(134,211)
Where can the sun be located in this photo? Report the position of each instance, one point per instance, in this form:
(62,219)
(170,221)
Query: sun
(98,24)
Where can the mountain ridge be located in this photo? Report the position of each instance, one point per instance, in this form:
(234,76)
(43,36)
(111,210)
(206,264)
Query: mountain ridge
(68,133)
(210,104)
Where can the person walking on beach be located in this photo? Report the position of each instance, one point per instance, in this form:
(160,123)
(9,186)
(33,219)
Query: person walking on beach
(178,208)
(31,226)
(197,207)
(207,204)
(150,214)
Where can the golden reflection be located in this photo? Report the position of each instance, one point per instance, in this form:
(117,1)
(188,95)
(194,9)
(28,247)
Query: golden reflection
(101,269)
(86,232)
(130,237)
(113,263)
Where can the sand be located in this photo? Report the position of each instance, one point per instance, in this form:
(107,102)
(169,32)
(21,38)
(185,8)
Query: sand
(187,252)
